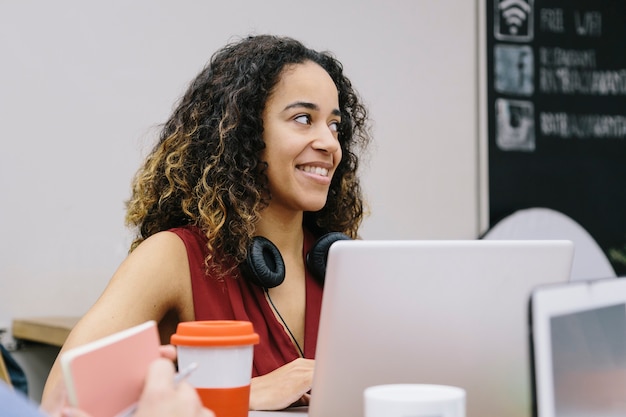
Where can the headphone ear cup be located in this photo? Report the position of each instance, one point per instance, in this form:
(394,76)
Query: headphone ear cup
(318,255)
(264,264)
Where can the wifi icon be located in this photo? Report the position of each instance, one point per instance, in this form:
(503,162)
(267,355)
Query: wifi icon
(514,20)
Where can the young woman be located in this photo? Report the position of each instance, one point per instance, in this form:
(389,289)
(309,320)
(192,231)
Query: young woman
(263,144)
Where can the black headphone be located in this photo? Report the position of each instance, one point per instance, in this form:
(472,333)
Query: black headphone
(265,267)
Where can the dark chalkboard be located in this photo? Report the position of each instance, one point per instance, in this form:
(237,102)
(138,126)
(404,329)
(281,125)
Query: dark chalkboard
(556,97)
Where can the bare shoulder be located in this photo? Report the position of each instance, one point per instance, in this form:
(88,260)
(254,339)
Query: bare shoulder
(159,265)
(167,245)
(152,282)
(161,268)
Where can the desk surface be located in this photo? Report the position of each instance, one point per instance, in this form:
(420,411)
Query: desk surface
(50,330)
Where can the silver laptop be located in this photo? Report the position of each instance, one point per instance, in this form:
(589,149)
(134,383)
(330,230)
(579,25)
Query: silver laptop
(443,312)
(578,335)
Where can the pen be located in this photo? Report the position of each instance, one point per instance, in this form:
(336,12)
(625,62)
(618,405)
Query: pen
(185,372)
(180,376)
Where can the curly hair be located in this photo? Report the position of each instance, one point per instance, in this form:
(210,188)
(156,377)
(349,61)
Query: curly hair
(206,169)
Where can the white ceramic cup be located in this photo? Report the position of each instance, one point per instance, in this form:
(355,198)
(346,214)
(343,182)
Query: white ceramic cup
(414,400)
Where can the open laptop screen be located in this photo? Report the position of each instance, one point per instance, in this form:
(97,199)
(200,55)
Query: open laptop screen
(580,353)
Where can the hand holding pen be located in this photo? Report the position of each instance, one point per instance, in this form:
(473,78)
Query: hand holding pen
(162,391)
(170,391)
(165,394)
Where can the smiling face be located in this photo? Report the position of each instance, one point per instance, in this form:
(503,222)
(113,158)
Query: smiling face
(301,119)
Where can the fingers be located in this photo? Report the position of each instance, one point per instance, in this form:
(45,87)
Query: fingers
(188,395)
(205,412)
(168,352)
(162,397)
(304,400)
(160,377)
(282,387)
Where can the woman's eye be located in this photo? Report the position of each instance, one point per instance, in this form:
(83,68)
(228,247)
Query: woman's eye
(334,126)
(304,119)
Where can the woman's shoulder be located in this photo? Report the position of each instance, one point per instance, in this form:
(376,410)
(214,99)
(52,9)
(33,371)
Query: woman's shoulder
(159,255)
(166,240)
(193,240)
(188,233)
(160,241)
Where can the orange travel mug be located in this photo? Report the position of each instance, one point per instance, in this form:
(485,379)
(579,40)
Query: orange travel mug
(223,350)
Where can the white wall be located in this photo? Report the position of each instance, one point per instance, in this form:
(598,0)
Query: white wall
(83,86)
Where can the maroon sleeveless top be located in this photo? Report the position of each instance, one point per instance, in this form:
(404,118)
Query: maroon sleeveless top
(234,298)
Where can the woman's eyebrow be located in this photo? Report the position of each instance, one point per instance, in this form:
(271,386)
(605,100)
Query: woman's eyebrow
(305,104)
(310,106)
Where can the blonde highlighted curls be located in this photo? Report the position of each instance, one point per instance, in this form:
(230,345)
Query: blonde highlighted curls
(206,170)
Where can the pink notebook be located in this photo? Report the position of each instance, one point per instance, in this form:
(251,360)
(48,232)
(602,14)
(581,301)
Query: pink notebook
(106,376)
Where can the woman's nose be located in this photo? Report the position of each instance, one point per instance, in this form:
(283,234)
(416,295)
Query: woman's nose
(326,139)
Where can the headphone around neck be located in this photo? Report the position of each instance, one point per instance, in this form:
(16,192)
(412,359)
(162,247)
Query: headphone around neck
(264,265)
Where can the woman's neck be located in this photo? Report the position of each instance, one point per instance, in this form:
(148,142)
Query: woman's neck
(284,231)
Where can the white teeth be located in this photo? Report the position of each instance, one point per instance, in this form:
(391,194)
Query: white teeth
(315,170)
